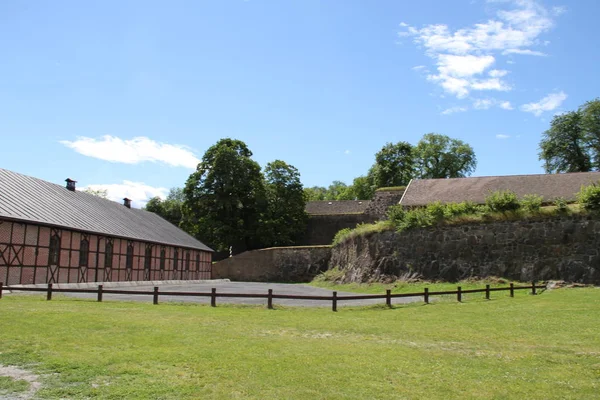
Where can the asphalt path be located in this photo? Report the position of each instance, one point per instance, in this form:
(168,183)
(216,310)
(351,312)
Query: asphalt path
(242,287)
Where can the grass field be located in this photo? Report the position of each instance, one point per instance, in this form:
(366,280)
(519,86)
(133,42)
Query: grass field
(535,347)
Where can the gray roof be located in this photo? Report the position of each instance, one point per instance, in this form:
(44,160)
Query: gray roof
(30,199)
(421,192)
(336,207)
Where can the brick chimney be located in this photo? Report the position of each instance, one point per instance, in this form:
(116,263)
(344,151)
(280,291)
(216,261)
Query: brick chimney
(127,202)
(70,184)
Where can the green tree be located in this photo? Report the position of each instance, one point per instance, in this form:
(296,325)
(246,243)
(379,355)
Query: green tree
(363,188)
(590,122)
(315,193)
(285,218)
(170,208)
(394,165)
(439,156)
(336,191)
(225,197)
(565,147)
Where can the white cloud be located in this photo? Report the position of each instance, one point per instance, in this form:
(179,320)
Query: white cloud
(483,104)
(134,151)
(347,152)
(526,52)
(453,110)
(497,73)
(138,192)
(461,56)
(548,103)
(502,136)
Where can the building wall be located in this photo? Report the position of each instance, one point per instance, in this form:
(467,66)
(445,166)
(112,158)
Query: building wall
(25,251)
(382,200)
(562,248)
(320,229)
(278,264)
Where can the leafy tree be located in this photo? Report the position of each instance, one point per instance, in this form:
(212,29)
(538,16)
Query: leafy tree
(315,193)
(590,122)
(170,208)
(363,188)
(336,190)
(565,146)
(394,165)
(439,156)
(96,192)
(285,217)
(225,197)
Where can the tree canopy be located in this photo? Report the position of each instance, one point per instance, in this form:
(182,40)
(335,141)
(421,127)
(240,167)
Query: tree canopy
(225,197)
(285,218)
(169,208)
(572,144)
(438,156)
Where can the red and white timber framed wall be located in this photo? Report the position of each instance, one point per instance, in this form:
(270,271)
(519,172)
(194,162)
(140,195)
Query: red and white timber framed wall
(33,253)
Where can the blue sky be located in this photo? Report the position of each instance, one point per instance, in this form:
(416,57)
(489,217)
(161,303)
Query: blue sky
(127,95)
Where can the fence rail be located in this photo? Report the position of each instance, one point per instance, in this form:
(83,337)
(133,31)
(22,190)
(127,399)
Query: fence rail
(334,298)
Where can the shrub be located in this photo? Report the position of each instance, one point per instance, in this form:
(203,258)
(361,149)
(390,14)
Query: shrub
(416,218)
(458,209)
(502,201)
(589,197)
(436,211)
(532,203)
(561,205)
(396,214)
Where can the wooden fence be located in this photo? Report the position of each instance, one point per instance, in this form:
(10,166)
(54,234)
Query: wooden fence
(334,298)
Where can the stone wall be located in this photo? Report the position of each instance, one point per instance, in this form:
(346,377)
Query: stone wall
(278,264)
(320,229)
(564,248)
(382,200)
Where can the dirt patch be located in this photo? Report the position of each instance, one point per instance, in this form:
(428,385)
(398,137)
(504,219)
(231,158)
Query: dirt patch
(19,374)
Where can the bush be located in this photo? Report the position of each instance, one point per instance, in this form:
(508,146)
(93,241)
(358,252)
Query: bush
(396,214)
(436,211)
(416,218)
(458,209)
(502,201)
(341,235)
(561,205)
(589,197)
(532,203)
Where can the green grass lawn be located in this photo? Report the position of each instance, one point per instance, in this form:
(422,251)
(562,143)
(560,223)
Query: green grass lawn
(534,347)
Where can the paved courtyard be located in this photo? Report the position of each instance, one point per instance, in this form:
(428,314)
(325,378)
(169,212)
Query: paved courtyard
(241,287)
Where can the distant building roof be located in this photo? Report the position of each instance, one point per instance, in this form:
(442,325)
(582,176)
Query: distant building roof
(336,207)
(31,199)
(550,186)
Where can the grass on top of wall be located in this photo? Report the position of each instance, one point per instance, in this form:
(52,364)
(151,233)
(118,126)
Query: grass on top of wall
(534,347)
(390,189)
(423,219)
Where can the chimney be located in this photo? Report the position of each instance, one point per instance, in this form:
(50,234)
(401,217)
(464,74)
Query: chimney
(127,202)
(70,184)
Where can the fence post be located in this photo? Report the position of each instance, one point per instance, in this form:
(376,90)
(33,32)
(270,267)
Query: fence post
(1,284)
(100,288)
(213,297)
(334,302)
(270,300)
(388,298)
(487,292)
(155,296)
(49,293)
(533,288)
(512,289)
(426,295)
(459,294)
